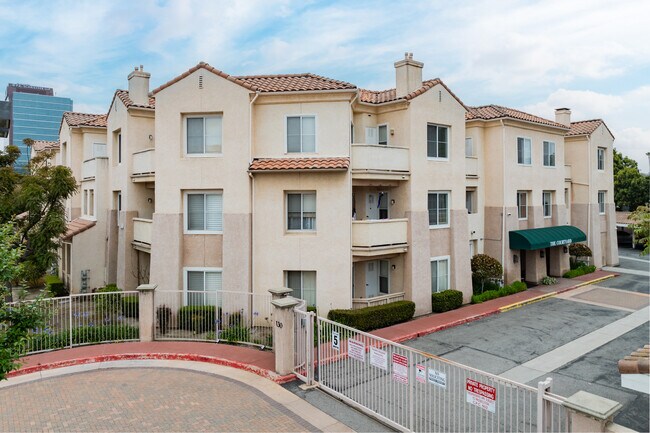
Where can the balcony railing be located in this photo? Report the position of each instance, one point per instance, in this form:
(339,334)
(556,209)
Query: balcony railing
(567,172)
(89,169)
(368,159)
(373,237)
(471,166)
(377,300)
(142,230)
(144,163)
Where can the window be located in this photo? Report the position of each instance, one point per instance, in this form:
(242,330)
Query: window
(202,286)
(303,284)
(549,154)
(601,202)
(438,209)
(204,135)
(547,203)
(301,134)
(470,203)
(118,206)
(382,133)
(64,153)
(119,148)
(99,150)
(384,281)
(523,151)
(88,202)
(84,202)
(437,141)
(301,211)
(566,197)
(601,158)
(522,205)
(469,147)
(439,274)
(377,134)
(204,212)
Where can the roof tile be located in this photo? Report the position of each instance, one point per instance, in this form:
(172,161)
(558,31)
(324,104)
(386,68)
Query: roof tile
(290,164)
(636,363)
(491,112)
(76,226)
(41,145)
(85,119)
(126,100)
(584,127)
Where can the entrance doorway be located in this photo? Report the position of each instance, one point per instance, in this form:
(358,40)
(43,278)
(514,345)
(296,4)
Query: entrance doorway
(522,264)
(377,205)
(377,279)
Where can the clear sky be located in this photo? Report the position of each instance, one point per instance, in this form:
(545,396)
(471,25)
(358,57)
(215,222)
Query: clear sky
(592,56)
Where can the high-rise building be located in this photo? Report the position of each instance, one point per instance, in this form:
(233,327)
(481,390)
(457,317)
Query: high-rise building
(35,113)
(5,122)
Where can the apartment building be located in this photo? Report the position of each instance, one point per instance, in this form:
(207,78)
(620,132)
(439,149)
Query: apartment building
(350,197)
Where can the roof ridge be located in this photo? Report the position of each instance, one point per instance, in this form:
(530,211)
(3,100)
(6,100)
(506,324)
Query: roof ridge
(84,114)
(589,120)
(300,74)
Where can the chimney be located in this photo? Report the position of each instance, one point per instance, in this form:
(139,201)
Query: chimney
(563,116)
(139,86)
(408,75)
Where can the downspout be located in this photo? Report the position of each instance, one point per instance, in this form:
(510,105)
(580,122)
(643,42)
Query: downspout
(349,201)
(589,239)
(503,201)
(252,189)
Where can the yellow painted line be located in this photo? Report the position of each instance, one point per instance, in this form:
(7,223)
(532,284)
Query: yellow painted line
(526,302)
(597,280)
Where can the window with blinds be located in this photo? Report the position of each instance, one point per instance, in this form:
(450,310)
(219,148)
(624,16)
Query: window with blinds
(439,274)
(301,134)
(303,284)
(204,212)
(203,286)
(204,135)
(438,205)
(301,211)
(437,142)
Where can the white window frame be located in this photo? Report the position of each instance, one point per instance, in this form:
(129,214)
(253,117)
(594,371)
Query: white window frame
(554,154)
(383,125)
(302,284)
(473,203)
(286,134)
(550,204)
(439,259)
(530,151)
(186,214)
(88,211)
(519,207)
(286,211)
(185,144)
(469,143)
(119,147)
(204,270)
(600,158)
(601,203)
(445,225)
(438,158)
(119,209)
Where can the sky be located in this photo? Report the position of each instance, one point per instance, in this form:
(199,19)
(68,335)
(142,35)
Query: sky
(592,56)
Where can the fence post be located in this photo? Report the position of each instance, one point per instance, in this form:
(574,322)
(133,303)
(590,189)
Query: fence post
(283,334)
(542,407)
(70,317)
(279,293)
(590,413)
(146,317)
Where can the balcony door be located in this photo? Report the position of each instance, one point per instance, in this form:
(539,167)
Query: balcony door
(377,280)
(377,205)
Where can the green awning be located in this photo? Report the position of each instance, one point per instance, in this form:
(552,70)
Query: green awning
(536,239)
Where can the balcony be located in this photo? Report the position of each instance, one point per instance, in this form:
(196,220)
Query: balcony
(144,166)
(380,162)
(90,168)
(567,172)
(142,234)
(377,300)
(379,237)
(471,166)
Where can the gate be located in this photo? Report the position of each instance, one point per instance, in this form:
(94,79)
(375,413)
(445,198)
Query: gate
(303,360)
(412,390)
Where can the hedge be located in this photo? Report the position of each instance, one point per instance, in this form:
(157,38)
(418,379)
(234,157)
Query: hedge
(131,306)
(582,270)
(446,300)
(55,286)
(370,318)
(516,287)
(84,335)
(198,318)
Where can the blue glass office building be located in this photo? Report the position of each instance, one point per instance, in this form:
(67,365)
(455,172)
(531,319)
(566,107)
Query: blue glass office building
(36,114)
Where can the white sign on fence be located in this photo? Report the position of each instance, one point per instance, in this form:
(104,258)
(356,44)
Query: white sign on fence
(356,350)
(400,368)
(420,373)
(378,358)
(481,395)
(437,378)
(336,341)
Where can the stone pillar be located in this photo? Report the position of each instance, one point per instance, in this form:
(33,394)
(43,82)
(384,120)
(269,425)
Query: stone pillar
(559,261)
(589,412)
(283,333)
(279,293)
(535,266)
(146,317)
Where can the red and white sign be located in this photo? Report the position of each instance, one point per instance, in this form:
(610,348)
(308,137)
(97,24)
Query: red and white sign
(481,395)
(420,373)
(400,368)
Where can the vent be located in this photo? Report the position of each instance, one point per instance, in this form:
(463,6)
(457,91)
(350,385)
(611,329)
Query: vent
(200,81)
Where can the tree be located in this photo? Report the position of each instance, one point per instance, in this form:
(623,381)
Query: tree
(15,319)
(485,268)
(35,201)
(642,227)
(630,185)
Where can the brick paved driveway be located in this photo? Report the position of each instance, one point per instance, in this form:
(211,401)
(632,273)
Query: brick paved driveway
(142,399)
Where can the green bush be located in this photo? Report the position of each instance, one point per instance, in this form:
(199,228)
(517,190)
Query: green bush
(235,333)
(582,270)
(84,335)
(580,250)
(446,300)
(479,287)
(547,281)
(109,304)
(369,318)
(131,306)
(198,318)
(55,286)
(575,264)
(516,287)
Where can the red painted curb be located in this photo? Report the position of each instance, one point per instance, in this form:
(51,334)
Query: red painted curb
(163,356)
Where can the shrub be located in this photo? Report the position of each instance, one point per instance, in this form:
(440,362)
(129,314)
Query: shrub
(575,264)
(131,306)
(84,335)
(369,318)
(55,286)
(235,334)
(446,300)
(516,287)
(485,268)
(198,318)
(579,250)
(164,316)
(480,287)
(547,281)
(109,304)
(582,270)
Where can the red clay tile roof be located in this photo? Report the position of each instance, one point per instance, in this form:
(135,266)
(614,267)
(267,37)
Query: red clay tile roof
(290,164)
(636,363)
(41,145)
(490,112)
(623,217)
(390,95)
(126,100)
(584,127)
(84,119)
(77,226)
